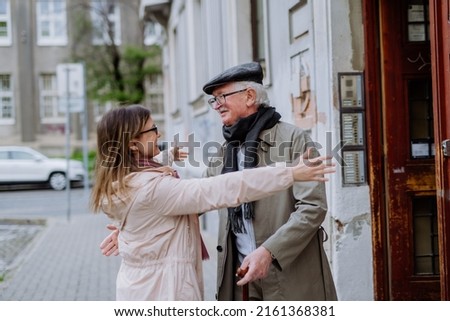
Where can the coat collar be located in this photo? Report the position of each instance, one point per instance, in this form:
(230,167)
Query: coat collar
(267,138)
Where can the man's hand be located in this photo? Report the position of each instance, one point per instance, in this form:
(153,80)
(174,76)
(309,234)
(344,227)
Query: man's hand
(110,245)
(258,263)
(178,154)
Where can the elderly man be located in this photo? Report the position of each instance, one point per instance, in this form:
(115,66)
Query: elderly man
(279,239)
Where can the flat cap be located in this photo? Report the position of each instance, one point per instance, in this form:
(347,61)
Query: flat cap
(251,71)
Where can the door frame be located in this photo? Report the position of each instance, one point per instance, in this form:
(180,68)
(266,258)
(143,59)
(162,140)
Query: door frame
(440,69)
(375,154)
(439,39)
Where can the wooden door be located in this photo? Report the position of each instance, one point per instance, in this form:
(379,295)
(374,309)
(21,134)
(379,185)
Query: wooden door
(409,151)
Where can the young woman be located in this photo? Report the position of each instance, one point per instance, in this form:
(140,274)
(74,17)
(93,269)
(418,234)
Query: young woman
(156,212)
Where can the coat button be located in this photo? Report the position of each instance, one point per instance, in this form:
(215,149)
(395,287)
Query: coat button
(219,248)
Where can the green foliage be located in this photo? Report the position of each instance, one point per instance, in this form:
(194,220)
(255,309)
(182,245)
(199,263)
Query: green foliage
(125,82)
(78,155)
(114,73)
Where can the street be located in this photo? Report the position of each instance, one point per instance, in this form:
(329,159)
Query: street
(42,203)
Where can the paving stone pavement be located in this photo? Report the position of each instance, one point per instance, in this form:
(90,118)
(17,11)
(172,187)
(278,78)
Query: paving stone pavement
(64,263)
(15,236)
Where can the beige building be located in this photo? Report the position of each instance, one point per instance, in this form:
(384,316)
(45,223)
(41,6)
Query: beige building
(36,36)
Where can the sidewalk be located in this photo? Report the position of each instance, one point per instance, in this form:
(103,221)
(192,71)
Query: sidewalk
(64,263)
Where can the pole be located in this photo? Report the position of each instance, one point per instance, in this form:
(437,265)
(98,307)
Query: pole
(84,134)
(67,131)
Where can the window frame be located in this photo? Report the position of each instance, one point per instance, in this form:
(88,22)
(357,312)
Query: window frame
(6,17)
(260,36)
(57,116)
(154,94)
(99,109)
(53,18)
(152,33)
(7,94)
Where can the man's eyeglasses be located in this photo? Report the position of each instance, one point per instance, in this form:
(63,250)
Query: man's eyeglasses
(154,128)
(221,98)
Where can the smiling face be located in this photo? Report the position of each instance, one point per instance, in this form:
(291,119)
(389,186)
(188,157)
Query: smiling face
(146,143)
(236,106)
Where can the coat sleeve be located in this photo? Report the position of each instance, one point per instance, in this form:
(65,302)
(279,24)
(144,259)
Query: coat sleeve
(171,196)
(306,218)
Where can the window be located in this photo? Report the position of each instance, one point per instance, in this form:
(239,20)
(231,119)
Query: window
(51,20)
(19,155)
(152,33)
(421,130)
(198,38)
(5,23)
(100,109)
(425,229)
(105,16)
(50,113)
(418,21)
(155,96)
(260,39)
(6,100)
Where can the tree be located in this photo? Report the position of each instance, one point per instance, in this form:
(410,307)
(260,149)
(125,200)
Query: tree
(116,70)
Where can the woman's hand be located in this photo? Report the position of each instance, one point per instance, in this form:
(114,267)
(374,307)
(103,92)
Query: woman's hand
(313,169)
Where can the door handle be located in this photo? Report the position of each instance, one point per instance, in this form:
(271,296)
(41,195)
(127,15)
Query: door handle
(445,145)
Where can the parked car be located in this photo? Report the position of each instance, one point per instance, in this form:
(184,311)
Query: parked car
(20,164)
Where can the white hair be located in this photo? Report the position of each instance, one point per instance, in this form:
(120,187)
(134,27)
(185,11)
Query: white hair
(261,93)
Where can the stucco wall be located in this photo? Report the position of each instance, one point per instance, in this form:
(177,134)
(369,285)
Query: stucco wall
(352,237)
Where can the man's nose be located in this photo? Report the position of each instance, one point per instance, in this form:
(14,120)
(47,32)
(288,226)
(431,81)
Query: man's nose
(217,105)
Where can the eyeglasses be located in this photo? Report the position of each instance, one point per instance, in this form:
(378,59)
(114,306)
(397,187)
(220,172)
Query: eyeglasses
(221,98)
(154,128)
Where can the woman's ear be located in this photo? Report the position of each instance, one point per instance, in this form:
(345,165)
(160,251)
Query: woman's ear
(132,146)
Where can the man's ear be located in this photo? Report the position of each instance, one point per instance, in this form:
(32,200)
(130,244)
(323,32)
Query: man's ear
(251,97)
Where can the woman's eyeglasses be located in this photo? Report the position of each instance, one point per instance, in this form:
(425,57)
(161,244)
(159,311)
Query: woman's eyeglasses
(154,128)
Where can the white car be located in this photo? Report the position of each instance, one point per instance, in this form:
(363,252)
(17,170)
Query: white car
(20,164)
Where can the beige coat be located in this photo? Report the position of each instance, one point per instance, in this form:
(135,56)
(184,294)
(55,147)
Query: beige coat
(159,236)
(287,224)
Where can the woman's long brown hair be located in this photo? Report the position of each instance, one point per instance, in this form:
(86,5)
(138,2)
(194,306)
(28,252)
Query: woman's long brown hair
(114,159)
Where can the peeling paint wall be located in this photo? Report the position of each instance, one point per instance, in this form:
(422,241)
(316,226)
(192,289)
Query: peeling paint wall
(350,210)
(329,40)
(353,259)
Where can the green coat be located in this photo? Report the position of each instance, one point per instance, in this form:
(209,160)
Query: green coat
(287,224)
